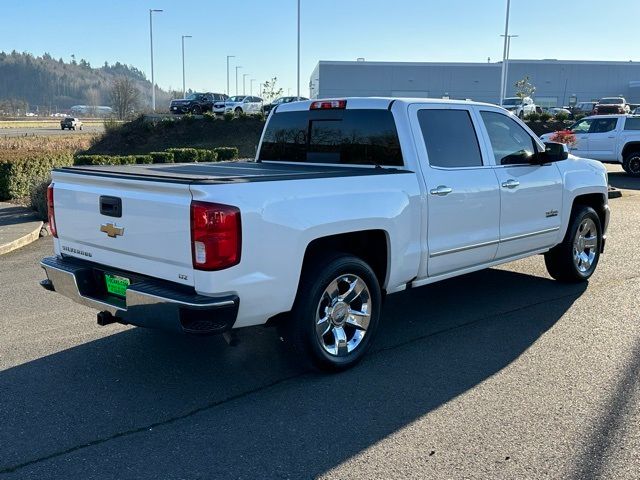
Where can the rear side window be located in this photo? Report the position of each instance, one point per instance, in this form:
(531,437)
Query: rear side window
(351,137)
(632,124)
(450,138)
(603,125)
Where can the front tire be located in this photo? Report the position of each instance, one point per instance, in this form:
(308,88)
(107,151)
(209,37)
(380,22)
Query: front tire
(238,111)
(631,164)
(576,258)
(336,313)
(196,110)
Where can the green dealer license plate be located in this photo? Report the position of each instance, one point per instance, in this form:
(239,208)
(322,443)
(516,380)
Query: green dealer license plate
(116,285)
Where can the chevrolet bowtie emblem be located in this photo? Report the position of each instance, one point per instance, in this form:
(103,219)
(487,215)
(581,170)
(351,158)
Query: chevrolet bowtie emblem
(111,230)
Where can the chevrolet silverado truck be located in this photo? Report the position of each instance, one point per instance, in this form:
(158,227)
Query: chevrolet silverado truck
(608,138)
(346,201)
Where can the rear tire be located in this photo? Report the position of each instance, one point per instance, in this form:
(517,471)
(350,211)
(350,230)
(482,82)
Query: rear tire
(196,110)
(238,111)
(631,164)
(336,313)
(576,258)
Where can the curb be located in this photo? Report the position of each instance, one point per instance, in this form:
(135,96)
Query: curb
(22,241)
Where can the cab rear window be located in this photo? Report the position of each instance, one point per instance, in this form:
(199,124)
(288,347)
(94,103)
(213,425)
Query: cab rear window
(353,137)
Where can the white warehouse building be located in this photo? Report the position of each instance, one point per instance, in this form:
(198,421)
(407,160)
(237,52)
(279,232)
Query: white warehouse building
(557,82)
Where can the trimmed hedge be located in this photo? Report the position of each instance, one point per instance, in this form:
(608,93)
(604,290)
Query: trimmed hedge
(162,157)
(18,176)
(207,155)
(184,155)
(108,159)
(226,153)
(143,159)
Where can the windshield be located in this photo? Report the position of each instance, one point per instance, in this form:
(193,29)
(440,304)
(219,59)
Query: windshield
(510,102)
(192,96)
(236,98)
(612,101)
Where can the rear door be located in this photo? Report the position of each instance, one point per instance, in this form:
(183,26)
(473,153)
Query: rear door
(463,204)
(602,138)
(141,226)
(530,195)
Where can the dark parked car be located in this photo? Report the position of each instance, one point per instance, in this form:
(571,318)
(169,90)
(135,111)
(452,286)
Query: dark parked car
(583,108)
(71,123)
(196,103)
(279,101)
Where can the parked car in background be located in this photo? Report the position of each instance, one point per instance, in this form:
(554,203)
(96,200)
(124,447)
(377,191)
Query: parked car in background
(196,103)
(583,108)
(636,111)
(347,201)
(611,105)
(520,107)
(280,101)
(608,138)
(243,104)
(70,123)
(556,110)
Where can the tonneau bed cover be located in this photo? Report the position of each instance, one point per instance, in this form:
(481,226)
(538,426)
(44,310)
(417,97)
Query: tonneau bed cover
(226,172)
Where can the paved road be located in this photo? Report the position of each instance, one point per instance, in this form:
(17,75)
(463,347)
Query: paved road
(498,374)
(49,131)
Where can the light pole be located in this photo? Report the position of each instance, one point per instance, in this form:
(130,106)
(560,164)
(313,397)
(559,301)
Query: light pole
(260,91)
(298,75)
(504,53)
(238,67)
(251,86)
(506,66)
(228,57)
(153,82)
(244,86)
(183,82)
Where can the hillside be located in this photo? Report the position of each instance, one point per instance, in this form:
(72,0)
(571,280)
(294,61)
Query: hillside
(47,83)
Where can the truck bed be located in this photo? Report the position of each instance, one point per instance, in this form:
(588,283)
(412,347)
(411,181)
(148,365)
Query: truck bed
(227,172)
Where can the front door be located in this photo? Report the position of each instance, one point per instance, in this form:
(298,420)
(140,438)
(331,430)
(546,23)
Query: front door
(602,139)
(581,131)
(530,195)
(463,199)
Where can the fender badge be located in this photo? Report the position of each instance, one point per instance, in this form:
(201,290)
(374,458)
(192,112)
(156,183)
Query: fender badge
(112,230)
(551,213)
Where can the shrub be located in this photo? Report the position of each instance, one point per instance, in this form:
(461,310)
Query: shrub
(228,116)
(17,176)
(38,198)
(533,117)
(545,116)
(143,159)
(562,116)
(564,136)
(226,153)
(184,155)
(111,159)
(209,116)
(207,155)
(161,157)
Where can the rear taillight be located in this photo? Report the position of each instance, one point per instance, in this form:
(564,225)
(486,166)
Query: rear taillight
(328,105)
(51,212)
(216,236)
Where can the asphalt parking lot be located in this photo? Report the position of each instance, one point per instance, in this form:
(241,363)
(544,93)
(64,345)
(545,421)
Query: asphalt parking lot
(498,374)
(48,131)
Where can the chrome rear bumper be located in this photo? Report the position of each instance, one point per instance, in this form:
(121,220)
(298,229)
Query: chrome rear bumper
(148,303)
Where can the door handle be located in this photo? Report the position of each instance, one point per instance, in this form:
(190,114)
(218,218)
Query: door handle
(612,136)
(441,190)
(511,183)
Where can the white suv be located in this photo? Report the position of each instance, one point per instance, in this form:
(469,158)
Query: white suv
(243,104)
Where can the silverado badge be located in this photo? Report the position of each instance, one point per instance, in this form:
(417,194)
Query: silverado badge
(111,230)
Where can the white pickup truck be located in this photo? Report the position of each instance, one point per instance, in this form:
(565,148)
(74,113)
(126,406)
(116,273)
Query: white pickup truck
(347,201)
(608,138)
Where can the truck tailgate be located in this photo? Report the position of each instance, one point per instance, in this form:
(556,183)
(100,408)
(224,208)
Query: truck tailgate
(150,236)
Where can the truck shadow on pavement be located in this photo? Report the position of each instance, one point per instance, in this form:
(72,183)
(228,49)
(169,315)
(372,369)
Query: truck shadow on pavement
(624,181)
(168,406)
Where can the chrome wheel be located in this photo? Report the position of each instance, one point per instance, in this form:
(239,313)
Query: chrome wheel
(585,245)
(343,315)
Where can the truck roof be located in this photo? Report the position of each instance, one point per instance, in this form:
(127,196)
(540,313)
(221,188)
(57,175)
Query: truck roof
(382,103)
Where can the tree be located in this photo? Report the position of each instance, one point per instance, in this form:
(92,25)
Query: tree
(524,88)
(270,90)
(93,99)
(124,96)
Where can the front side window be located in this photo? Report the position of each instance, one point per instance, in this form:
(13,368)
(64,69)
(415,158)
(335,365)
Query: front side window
(511,143)
(603,125)
(353,137)
(582,126)
(450,138)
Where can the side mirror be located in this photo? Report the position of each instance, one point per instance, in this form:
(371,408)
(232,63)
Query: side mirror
(554,152)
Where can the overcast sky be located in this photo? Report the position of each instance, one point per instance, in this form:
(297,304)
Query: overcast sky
(262,33)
